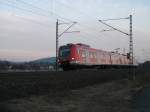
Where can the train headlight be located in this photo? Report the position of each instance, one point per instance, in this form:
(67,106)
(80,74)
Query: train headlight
(72,58)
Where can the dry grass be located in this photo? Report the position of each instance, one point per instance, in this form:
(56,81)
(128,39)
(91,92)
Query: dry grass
(21,84)
(73,91)
(107,97)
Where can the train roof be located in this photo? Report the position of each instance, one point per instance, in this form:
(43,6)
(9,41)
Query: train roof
(79,44)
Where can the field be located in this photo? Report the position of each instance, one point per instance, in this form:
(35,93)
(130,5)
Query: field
(64,91)
(20,84)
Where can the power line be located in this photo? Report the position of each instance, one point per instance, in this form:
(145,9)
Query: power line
(31,11)
(113,27)
(58,36)
(48,12)
(11,4)
(33,21)
(77,10)
(27,19)
(8,3)
(128,34)
(42,10)
(115,19)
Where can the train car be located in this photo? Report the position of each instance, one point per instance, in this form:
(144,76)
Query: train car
(77,56)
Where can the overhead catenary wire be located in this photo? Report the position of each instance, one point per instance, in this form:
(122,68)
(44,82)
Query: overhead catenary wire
(33,12)
(26,19)
(35,22)
(113,27)
(45,14)
(114,19)
(81,24)
(82,13)
(42,12)
(49,12)
(13,4)
(8,3)
(85,25)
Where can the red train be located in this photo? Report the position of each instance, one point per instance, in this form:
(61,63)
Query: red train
(77,56)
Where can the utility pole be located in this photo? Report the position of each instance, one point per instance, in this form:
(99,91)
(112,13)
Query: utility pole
(131,60)
(132,70)
(128,34)
(57,44)
(59,35)
(131,42)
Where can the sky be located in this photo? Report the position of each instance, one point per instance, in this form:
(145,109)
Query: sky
(28,27)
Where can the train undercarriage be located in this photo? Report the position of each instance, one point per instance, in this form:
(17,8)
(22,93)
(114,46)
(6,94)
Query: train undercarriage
(67,66)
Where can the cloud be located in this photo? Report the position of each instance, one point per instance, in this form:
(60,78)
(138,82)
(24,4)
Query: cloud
(24,33)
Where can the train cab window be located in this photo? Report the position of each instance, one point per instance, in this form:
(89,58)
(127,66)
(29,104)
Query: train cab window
(64,52)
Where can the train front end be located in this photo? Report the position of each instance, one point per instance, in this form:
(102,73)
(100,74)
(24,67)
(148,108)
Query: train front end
(67,56)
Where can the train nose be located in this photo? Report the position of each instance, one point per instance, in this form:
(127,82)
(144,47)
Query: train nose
(65,60)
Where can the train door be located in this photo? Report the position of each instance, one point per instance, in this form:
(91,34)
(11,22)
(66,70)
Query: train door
(87,56)
(83,56)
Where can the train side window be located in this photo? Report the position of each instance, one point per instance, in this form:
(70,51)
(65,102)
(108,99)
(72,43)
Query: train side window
(78,51)
(94,55)
(87,53)
(90,54)
(83,54)
(100,55)
(104,57)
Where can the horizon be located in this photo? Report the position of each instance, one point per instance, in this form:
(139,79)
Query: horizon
(20,61)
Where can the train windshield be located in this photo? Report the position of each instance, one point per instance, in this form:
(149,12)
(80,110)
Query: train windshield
(64,52)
